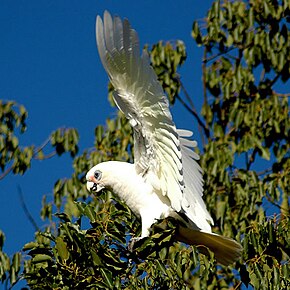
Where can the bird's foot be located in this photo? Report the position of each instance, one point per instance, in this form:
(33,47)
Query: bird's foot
(132,243)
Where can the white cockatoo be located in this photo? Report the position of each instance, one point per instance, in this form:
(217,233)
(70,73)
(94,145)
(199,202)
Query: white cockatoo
(165,179)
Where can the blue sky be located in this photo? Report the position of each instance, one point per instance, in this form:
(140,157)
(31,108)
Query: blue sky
(49,63)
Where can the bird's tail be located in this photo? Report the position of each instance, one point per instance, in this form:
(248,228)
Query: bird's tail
(226,250)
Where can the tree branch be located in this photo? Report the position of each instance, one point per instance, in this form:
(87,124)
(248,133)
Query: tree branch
(262,76)
(251,160)
(38,149)
(200,123)
(46,156)
(205,60)
(271,200)
(264,171)
(6,172)
(281,95)
(34,156)
(187,96)
(203,67)
(275,79)
(26,211)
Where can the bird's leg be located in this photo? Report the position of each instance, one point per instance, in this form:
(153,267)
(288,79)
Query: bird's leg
(145,233)
(147,220)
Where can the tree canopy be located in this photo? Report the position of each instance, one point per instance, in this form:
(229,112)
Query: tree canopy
(244,122)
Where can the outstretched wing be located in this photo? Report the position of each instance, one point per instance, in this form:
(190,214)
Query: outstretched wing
(159,150)
(141,98)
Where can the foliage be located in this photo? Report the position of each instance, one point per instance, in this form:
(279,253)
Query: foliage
(166,59)
(9,269)
(18,159)
(244,123)
(246,53)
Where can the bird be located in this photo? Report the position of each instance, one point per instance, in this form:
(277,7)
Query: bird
(165,179)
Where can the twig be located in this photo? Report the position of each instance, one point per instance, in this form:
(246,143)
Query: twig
(203,67)
(262,76)
(206,131)
(271,200)
(274,80)
(200,127)
(205,60)
(46,156)
(42,146)
(26,211)
(187,95)
(264,171)
(6,172)
(238,285)
(34,156)
(281,95)
(250,160)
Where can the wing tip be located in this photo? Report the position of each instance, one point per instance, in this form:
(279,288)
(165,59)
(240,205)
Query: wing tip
(99,21)
(107,16)
(184,133)
(99,28)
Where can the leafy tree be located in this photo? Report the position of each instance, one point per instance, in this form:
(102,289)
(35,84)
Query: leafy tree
(244,122)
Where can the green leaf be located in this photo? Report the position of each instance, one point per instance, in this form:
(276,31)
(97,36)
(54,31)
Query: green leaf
(40,258)
(265,153)
(61,247)
(196,33)
(221,207)
(107,275)
(16,262)
(30,246)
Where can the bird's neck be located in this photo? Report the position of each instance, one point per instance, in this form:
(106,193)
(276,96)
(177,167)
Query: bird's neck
(128,185)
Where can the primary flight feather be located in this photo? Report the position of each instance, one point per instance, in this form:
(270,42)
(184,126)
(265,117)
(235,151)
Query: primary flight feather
(165,179)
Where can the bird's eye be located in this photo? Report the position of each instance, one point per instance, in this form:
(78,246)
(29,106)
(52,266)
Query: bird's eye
(98,174)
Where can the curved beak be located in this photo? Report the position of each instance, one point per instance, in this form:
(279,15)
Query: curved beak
(94,187)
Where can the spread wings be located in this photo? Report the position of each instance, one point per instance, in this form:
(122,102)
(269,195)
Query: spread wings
(158,146)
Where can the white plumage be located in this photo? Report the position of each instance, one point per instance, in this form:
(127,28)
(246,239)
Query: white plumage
(165,178)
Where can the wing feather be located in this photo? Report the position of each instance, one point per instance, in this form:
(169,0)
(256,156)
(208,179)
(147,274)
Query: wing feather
(163,155)
(192,203)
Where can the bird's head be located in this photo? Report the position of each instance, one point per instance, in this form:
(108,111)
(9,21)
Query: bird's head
(113,175)
(96,178)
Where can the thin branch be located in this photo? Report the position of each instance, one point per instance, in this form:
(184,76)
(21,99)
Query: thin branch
(205,60)
(274,80)
(203,67)
(38,149)
(262,76)
(281,95)
(194,112)
(187,95)
(6,172)
(238,285)
(26,211)
(34,156)
(264,171)
(206,131)
(50,155)
(251,160)
(247,160)
(271,200)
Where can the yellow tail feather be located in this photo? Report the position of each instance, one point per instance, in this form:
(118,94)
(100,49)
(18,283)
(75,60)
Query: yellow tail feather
(226,250)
